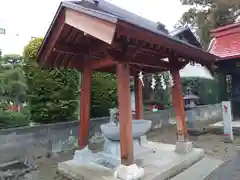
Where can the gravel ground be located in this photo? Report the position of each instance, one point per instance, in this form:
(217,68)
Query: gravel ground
(212,144)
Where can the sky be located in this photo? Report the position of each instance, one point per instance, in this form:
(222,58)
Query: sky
(26,18)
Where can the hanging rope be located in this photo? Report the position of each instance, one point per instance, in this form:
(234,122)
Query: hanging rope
(153,82)
(140,76)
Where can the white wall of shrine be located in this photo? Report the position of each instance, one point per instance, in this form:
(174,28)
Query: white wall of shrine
(133,100)
(195,71)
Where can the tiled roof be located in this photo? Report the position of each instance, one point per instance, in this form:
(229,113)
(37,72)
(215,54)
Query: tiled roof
(226,42)
(177,31)
(111,13)
(185,31)
(104,7)
(226,27)
(108,8)
(226,47)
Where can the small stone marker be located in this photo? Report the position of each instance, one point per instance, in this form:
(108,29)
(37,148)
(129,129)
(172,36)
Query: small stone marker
(227,120)
(184,147)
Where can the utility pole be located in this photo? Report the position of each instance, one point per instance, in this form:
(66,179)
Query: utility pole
(2,32)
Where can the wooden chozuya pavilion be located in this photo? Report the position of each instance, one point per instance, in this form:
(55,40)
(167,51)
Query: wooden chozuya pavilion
(98,36)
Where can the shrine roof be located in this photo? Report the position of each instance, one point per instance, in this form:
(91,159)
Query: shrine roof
(226,42)
(77,23)
(188,34)
(103,7)
(226,27)
(109,11)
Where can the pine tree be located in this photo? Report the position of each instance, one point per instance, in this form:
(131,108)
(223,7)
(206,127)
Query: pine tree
(13,84)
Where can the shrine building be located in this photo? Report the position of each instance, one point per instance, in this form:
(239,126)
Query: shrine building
(226,45)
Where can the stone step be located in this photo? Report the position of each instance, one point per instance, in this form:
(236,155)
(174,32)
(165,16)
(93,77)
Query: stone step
(200,170)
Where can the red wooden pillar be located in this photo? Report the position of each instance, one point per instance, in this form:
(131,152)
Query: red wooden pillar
(85,100)
(178,104)
(138,97)
(125,115)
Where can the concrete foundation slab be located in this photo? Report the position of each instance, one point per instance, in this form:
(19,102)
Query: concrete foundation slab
(200,170)
(160,163)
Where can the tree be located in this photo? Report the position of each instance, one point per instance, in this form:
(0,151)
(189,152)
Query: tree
(205,15)
(13,83)
(13,59)
(15,86)
(12,92)
(52,94)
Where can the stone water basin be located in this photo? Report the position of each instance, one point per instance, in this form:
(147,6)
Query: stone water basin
(139,128)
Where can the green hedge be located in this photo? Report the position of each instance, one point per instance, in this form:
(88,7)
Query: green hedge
(104,94)
(10,119)
(208,90)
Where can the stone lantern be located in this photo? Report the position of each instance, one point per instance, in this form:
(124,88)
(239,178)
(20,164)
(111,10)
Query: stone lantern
(190,102)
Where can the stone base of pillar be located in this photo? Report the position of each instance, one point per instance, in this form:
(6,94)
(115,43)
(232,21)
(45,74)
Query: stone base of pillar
(132,172)
(183,147)
(112,148)
(83,156)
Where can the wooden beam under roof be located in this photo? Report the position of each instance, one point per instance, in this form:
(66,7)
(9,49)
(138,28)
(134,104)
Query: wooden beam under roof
(141,47)
(151,61)
(52,39)
(69,49)
(85,48)
(103,63)
(182,49)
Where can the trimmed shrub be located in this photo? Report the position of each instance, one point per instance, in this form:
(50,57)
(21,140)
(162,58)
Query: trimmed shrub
(206,89)
(104,94)
(10,119)
(52,94)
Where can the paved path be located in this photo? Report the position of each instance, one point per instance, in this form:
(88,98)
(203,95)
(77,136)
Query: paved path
(200,170)
(230,170)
